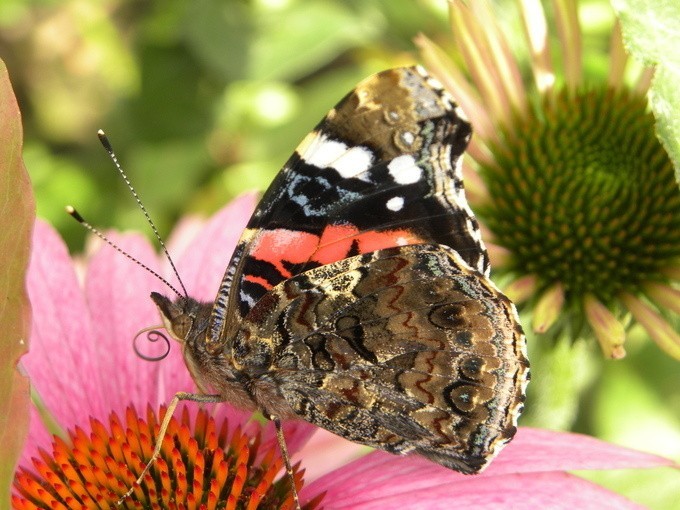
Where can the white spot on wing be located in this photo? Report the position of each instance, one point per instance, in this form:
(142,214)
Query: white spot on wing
(322,152)
(355,161)
(458,166)
(461,114)
(408,138)
(404,170)
(395,204)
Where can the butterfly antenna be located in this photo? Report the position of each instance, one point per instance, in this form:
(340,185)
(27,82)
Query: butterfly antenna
(76,215)
(107,145)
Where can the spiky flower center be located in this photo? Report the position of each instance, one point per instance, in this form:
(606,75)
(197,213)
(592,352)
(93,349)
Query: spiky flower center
(200,466)
(583,194)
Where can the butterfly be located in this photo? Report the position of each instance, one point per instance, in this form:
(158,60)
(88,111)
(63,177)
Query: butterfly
(358,298)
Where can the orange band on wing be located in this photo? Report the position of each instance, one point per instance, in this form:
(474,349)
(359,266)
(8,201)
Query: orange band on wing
(258,280)
(337,240)
(281,246)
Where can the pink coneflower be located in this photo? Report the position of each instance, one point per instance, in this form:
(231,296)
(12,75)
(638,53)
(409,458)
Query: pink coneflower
(103,402)
(579,198)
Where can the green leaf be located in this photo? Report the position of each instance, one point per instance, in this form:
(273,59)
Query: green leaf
(220,34)
(16,222)
(304,36)
(665,100)
(651,33)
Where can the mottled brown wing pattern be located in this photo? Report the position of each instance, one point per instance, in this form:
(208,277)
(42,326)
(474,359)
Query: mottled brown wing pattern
(405,349)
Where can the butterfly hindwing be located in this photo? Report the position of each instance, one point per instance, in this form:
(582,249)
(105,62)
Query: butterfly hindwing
(382,169)
(405,349)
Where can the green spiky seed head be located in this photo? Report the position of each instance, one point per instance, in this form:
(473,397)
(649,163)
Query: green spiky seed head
(583,193)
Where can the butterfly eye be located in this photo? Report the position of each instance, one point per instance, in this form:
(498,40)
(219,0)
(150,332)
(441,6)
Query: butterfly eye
(181,326)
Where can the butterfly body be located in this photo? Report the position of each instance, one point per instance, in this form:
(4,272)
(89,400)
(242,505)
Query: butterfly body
(358,297)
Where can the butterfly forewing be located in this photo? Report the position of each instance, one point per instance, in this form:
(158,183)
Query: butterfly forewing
(380,170)
(405,349)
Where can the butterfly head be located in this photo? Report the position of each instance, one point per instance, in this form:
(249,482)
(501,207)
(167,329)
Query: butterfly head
(185,318)
(187,322)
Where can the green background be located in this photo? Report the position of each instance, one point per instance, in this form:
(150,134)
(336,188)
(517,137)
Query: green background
(205,99)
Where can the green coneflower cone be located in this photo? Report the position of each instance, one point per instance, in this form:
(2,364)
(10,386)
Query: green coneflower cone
(584,199)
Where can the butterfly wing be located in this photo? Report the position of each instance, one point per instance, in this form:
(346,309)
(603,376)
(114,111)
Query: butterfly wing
(382,169)
(405,349)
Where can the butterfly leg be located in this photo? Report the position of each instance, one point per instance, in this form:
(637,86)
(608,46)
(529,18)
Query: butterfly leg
(193,397)
(286,460)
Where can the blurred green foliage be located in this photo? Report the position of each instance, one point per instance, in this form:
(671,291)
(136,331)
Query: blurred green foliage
(205,99)
(201,100)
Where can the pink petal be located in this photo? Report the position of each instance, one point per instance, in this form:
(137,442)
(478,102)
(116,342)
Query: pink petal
(535,450)
(526,474)
(203,262)
(325,452)
(38,437)
(295,432)
(59,360)
(118,295)
(181,237)
(389,484)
